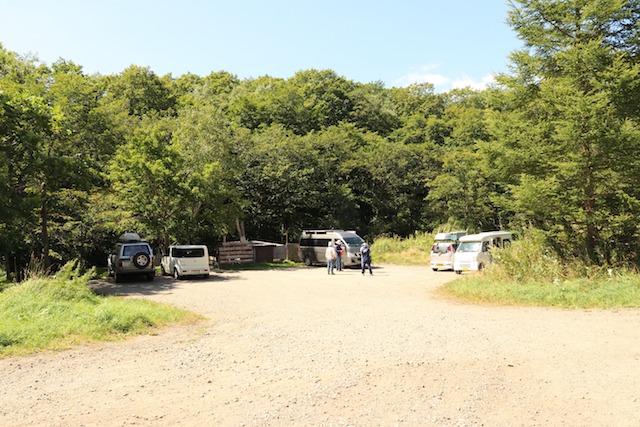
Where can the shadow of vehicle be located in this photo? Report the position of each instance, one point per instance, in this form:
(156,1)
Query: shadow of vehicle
(135,285)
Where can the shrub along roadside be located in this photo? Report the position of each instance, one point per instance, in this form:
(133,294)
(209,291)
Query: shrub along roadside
(58,312)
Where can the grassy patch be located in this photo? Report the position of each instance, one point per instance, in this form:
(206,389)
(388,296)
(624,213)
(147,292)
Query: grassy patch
(612,292)
(58,312)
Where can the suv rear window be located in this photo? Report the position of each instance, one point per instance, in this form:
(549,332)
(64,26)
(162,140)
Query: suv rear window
(130,250)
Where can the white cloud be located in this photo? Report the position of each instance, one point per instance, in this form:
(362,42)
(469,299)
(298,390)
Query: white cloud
(467,81)
(423,75)
(442,83)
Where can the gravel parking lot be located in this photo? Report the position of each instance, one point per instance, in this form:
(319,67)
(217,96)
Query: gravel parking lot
(296,347)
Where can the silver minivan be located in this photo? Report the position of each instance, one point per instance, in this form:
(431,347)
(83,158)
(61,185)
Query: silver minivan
(313,244)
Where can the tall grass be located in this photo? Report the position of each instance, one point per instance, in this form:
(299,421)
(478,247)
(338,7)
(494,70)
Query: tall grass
(413,250)
(59,311)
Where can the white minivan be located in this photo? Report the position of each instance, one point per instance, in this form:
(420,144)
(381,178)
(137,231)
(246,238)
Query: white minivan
(474,253)
(443,249)
(186,260)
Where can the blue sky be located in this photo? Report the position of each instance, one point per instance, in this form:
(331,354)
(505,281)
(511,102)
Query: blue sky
(450,44)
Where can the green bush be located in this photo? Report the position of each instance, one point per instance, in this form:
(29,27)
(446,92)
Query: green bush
(530,257)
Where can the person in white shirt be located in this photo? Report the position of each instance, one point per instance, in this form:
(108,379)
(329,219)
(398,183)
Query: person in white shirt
(331,256)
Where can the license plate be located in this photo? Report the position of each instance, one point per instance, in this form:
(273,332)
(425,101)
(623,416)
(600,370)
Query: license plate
(440,265)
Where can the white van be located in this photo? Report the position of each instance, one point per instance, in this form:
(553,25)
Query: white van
(186,260)
(443,249)
(473,252)
(313,245)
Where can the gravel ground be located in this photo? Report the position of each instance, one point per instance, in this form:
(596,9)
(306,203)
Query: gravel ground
(297,347)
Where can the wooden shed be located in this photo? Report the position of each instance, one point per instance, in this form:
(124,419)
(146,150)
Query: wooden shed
(250,251)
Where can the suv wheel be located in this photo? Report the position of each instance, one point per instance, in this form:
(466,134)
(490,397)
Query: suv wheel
(141,260)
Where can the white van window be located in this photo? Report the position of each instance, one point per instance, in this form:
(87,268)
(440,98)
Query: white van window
(470,247)
(188,253)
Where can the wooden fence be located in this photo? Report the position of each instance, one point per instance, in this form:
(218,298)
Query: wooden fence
(255,251)
(235,253)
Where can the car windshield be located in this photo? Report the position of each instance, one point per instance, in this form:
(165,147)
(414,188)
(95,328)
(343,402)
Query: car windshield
(354,242)
(131,250)
(188,253)
(470,247)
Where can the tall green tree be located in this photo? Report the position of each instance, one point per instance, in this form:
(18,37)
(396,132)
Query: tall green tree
(25,118)
(578,151)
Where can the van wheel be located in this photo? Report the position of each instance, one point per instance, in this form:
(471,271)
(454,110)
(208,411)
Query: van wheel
(176,275)
(434,269)
(307,261)
(164,273)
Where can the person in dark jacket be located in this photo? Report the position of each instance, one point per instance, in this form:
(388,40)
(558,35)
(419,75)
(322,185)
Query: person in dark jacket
(365,254)
(339,251)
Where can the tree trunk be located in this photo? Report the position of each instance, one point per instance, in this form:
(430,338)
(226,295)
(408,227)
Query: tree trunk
(44,217)
(591,238)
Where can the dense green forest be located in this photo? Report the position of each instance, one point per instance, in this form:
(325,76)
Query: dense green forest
(553,145)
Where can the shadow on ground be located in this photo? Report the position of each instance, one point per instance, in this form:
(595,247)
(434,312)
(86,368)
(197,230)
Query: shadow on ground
(137,285)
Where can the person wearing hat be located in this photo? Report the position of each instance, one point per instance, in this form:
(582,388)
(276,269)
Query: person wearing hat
(365,257)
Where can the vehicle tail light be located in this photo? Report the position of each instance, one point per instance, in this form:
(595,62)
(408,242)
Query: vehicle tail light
(449,248)
(433,247)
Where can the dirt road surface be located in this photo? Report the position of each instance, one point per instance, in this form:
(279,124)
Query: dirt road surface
(298,347)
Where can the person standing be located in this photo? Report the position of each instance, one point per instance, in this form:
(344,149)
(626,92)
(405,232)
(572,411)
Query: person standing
(339,251)
(365,257)
(330,255)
